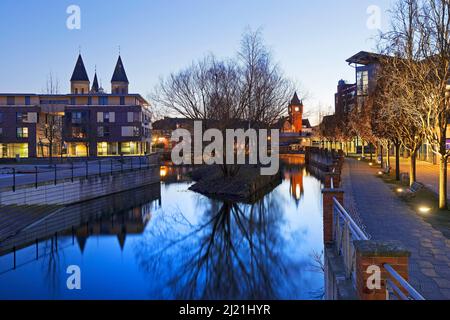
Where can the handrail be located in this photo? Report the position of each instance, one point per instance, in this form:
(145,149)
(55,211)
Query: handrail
(355,228)
(331,183)
(413,294)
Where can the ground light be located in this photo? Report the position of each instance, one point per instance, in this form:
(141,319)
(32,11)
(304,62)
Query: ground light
(400,190)
(380,173)
(424,209)
(370,163)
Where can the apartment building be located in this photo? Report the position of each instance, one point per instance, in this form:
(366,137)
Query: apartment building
(88,122)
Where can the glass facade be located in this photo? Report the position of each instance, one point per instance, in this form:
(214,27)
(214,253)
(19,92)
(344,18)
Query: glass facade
(11,150)
(107,149)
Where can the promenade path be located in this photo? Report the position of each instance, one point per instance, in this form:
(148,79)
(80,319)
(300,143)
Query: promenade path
(385,217)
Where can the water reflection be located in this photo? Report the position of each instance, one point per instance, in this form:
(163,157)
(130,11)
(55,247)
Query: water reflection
(181,246)
(234,252)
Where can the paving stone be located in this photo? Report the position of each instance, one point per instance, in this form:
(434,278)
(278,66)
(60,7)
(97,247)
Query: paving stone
(394,220)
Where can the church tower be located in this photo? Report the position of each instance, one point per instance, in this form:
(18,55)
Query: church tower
(119,81)
(296,114)
(79,82)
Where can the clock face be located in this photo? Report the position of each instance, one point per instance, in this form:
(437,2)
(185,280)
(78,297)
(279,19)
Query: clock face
(297,109)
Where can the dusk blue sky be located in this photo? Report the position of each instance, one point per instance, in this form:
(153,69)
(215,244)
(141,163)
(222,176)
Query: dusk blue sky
(310,39)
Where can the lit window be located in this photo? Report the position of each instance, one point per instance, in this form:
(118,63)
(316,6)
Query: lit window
(22,132)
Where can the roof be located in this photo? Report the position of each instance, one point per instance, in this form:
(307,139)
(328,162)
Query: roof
(119,72)
(364,58)
(306,123)
(295,100)
(95,86)
(79,72)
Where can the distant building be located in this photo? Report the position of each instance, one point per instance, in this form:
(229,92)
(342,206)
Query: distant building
(293,123)
(86,122)
(345,99)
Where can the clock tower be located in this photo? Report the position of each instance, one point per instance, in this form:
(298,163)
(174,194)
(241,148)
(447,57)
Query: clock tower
(296,114)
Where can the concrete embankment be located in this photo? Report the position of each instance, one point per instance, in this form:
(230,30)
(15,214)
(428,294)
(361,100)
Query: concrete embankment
(68,191)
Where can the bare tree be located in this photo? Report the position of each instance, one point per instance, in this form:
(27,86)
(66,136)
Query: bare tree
(248,89)
(52,84)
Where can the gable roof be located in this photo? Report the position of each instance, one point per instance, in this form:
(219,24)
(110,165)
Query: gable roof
(79,72)
(119,74)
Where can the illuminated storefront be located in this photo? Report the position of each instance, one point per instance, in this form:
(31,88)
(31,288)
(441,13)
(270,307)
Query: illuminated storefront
(77,149)
(11,150)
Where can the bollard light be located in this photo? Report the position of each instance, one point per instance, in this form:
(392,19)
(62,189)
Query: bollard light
(424,209)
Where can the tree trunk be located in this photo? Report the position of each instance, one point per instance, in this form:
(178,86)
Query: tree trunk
(412,169)
(388,157)
(443,183)
(397,161)
(362,148)
(381,156)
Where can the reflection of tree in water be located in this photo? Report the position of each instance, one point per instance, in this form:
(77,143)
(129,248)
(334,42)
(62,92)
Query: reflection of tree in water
(235,254)
(51,265)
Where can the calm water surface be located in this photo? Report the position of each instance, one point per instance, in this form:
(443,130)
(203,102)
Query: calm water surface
(184,246)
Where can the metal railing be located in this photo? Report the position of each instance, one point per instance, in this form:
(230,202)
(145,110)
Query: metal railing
(405,292)
(13,177)
(345,232)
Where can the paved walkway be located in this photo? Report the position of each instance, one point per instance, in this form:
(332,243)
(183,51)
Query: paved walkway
(386,217)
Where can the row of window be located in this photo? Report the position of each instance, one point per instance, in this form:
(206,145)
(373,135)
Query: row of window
(104,117)
(21,133)
(105,131)
(24,117)
(11,100)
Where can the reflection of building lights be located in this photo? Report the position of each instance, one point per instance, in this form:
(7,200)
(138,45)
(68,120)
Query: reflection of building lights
(163,171)
(424,209)
(298,192)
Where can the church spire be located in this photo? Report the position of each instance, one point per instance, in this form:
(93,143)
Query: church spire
(95,86)
(119,72)
(79,72)
(79,82)
(119,81)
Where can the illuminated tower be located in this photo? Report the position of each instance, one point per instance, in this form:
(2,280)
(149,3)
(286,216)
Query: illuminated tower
(296,114)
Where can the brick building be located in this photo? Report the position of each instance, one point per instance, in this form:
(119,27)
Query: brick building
(86,122)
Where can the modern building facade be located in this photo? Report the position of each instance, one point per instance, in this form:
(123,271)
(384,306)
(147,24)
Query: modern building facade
(88,122)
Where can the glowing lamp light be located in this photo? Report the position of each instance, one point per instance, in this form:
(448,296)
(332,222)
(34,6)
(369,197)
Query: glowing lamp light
(380,173)
(359,159)
(400,190)
(424,209)
(371,164)
(163,171)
